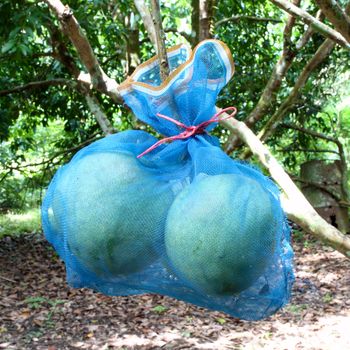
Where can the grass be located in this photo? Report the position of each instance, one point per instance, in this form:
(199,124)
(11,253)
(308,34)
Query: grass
(18,223)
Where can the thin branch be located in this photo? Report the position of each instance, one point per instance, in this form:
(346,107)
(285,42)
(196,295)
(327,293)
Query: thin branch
(236,19)
(187,36)
(147,20)
(39,85)
(34,55)
(286,150)
(112,57)
(98,113)
(72,28)
(269,94)
(307,35)
(62,54)
(150,25)
(5,175)
(281,68)
(311,132)
(7,279)
(57,154)
(336,16)
(160,38)
(100,116)
(287,33)
(294,202)
(321,54)
(317,25)
(195,22)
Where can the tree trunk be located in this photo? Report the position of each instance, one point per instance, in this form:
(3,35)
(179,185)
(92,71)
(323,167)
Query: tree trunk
(132,45)
(195,23)
(206,8)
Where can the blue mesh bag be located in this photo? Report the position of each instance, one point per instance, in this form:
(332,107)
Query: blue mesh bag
(130,214)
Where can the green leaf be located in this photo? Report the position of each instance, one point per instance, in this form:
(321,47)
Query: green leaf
(160,309)
(220,320)
(8,46)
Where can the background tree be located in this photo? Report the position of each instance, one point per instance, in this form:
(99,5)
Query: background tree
(60,73)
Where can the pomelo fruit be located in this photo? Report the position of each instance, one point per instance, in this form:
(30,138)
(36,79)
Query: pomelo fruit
(221,233)
(114,212)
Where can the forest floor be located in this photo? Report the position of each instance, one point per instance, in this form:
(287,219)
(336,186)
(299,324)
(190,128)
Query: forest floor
(39,311)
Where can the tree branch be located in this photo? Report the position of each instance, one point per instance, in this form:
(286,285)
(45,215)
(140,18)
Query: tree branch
(236,19)
(34,55)
(320,55)
(183,34)
(57,154)
(60,52)
(269,94)
(5,175)
(294,203)
(311,132)
(147,20)
(72,28)
(318,26)
(307,150)
(307,35)
(100,116)
(160,39)
(281,68)
(336,16)
(39,85)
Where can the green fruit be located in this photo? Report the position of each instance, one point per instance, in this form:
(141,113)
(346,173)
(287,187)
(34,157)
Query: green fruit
(51,215)
(221,233)
(114,212)
(53,222)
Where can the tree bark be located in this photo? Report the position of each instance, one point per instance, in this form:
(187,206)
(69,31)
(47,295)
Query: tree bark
(160,39)
(60,52)
(132,44)
(195,22)
(318,26)
(100,116)
(321,54)
(206,8)
(147,20)
(336,16)
(72,28)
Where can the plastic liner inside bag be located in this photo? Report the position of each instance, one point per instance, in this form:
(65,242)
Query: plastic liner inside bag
(184,220)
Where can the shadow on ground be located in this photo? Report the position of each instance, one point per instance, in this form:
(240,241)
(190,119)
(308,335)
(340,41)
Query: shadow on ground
(39,311)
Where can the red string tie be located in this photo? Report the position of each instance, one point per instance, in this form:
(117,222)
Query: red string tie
(192,129)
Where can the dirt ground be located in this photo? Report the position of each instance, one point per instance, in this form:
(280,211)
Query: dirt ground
(39,311)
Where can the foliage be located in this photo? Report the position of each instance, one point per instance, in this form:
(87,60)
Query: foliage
(17,223)
(30,38)
(22,179)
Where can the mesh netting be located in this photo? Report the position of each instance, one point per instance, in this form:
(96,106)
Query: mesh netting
(185,220)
